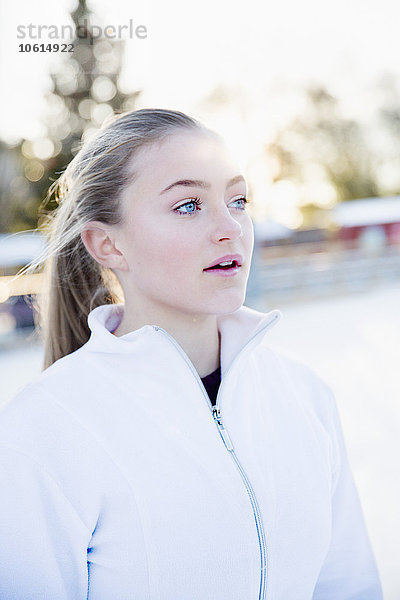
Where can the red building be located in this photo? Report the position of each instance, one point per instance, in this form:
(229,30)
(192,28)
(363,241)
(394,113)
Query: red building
(369,221)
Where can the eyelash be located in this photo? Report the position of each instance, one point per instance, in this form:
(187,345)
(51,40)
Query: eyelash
(196,200)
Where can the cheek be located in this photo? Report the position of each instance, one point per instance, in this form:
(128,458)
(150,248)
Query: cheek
(164,252)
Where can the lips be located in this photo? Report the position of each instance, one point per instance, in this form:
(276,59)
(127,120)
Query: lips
(229,261)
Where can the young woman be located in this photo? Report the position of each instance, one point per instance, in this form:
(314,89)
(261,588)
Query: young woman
(165,452)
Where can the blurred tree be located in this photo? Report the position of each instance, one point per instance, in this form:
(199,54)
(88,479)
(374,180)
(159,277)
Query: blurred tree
(85,92)
(389,90)
(323,146)
(388,132)
(10,172)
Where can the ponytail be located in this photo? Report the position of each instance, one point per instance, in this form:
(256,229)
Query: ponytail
(74,284)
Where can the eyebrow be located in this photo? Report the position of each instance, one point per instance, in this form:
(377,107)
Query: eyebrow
(201,184)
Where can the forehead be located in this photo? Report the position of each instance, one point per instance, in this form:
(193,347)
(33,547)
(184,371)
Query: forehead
(186,154)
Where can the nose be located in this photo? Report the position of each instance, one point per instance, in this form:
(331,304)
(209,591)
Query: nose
(224,226)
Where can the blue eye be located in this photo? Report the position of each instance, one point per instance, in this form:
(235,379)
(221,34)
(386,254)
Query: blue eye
(243,201)
(191,205)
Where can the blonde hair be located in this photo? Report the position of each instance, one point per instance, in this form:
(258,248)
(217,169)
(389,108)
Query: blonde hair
(90,190)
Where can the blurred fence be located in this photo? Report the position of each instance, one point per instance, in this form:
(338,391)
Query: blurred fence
(297,277)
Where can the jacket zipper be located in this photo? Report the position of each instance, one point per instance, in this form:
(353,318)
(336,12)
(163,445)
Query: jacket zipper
(215,410)
(256,512)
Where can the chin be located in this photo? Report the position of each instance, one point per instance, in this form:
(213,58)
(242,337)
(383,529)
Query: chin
(227,302)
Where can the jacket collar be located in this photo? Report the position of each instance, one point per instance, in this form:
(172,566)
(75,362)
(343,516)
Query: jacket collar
(238,329)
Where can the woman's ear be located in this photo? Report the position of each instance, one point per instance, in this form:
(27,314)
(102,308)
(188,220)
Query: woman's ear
(100,241)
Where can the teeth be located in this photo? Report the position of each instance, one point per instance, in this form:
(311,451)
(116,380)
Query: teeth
(226,264)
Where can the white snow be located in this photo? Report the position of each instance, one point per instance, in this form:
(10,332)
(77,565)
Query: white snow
(20,248)
(368,211)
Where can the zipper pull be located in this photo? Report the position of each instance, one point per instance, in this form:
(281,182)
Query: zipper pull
(223,432)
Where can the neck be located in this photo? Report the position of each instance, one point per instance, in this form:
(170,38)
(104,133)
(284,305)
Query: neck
(197,335)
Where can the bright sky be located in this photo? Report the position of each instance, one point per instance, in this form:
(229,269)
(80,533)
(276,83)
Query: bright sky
(254,47)
(343,43)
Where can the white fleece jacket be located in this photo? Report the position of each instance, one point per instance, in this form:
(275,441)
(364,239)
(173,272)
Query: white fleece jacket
(119,483)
